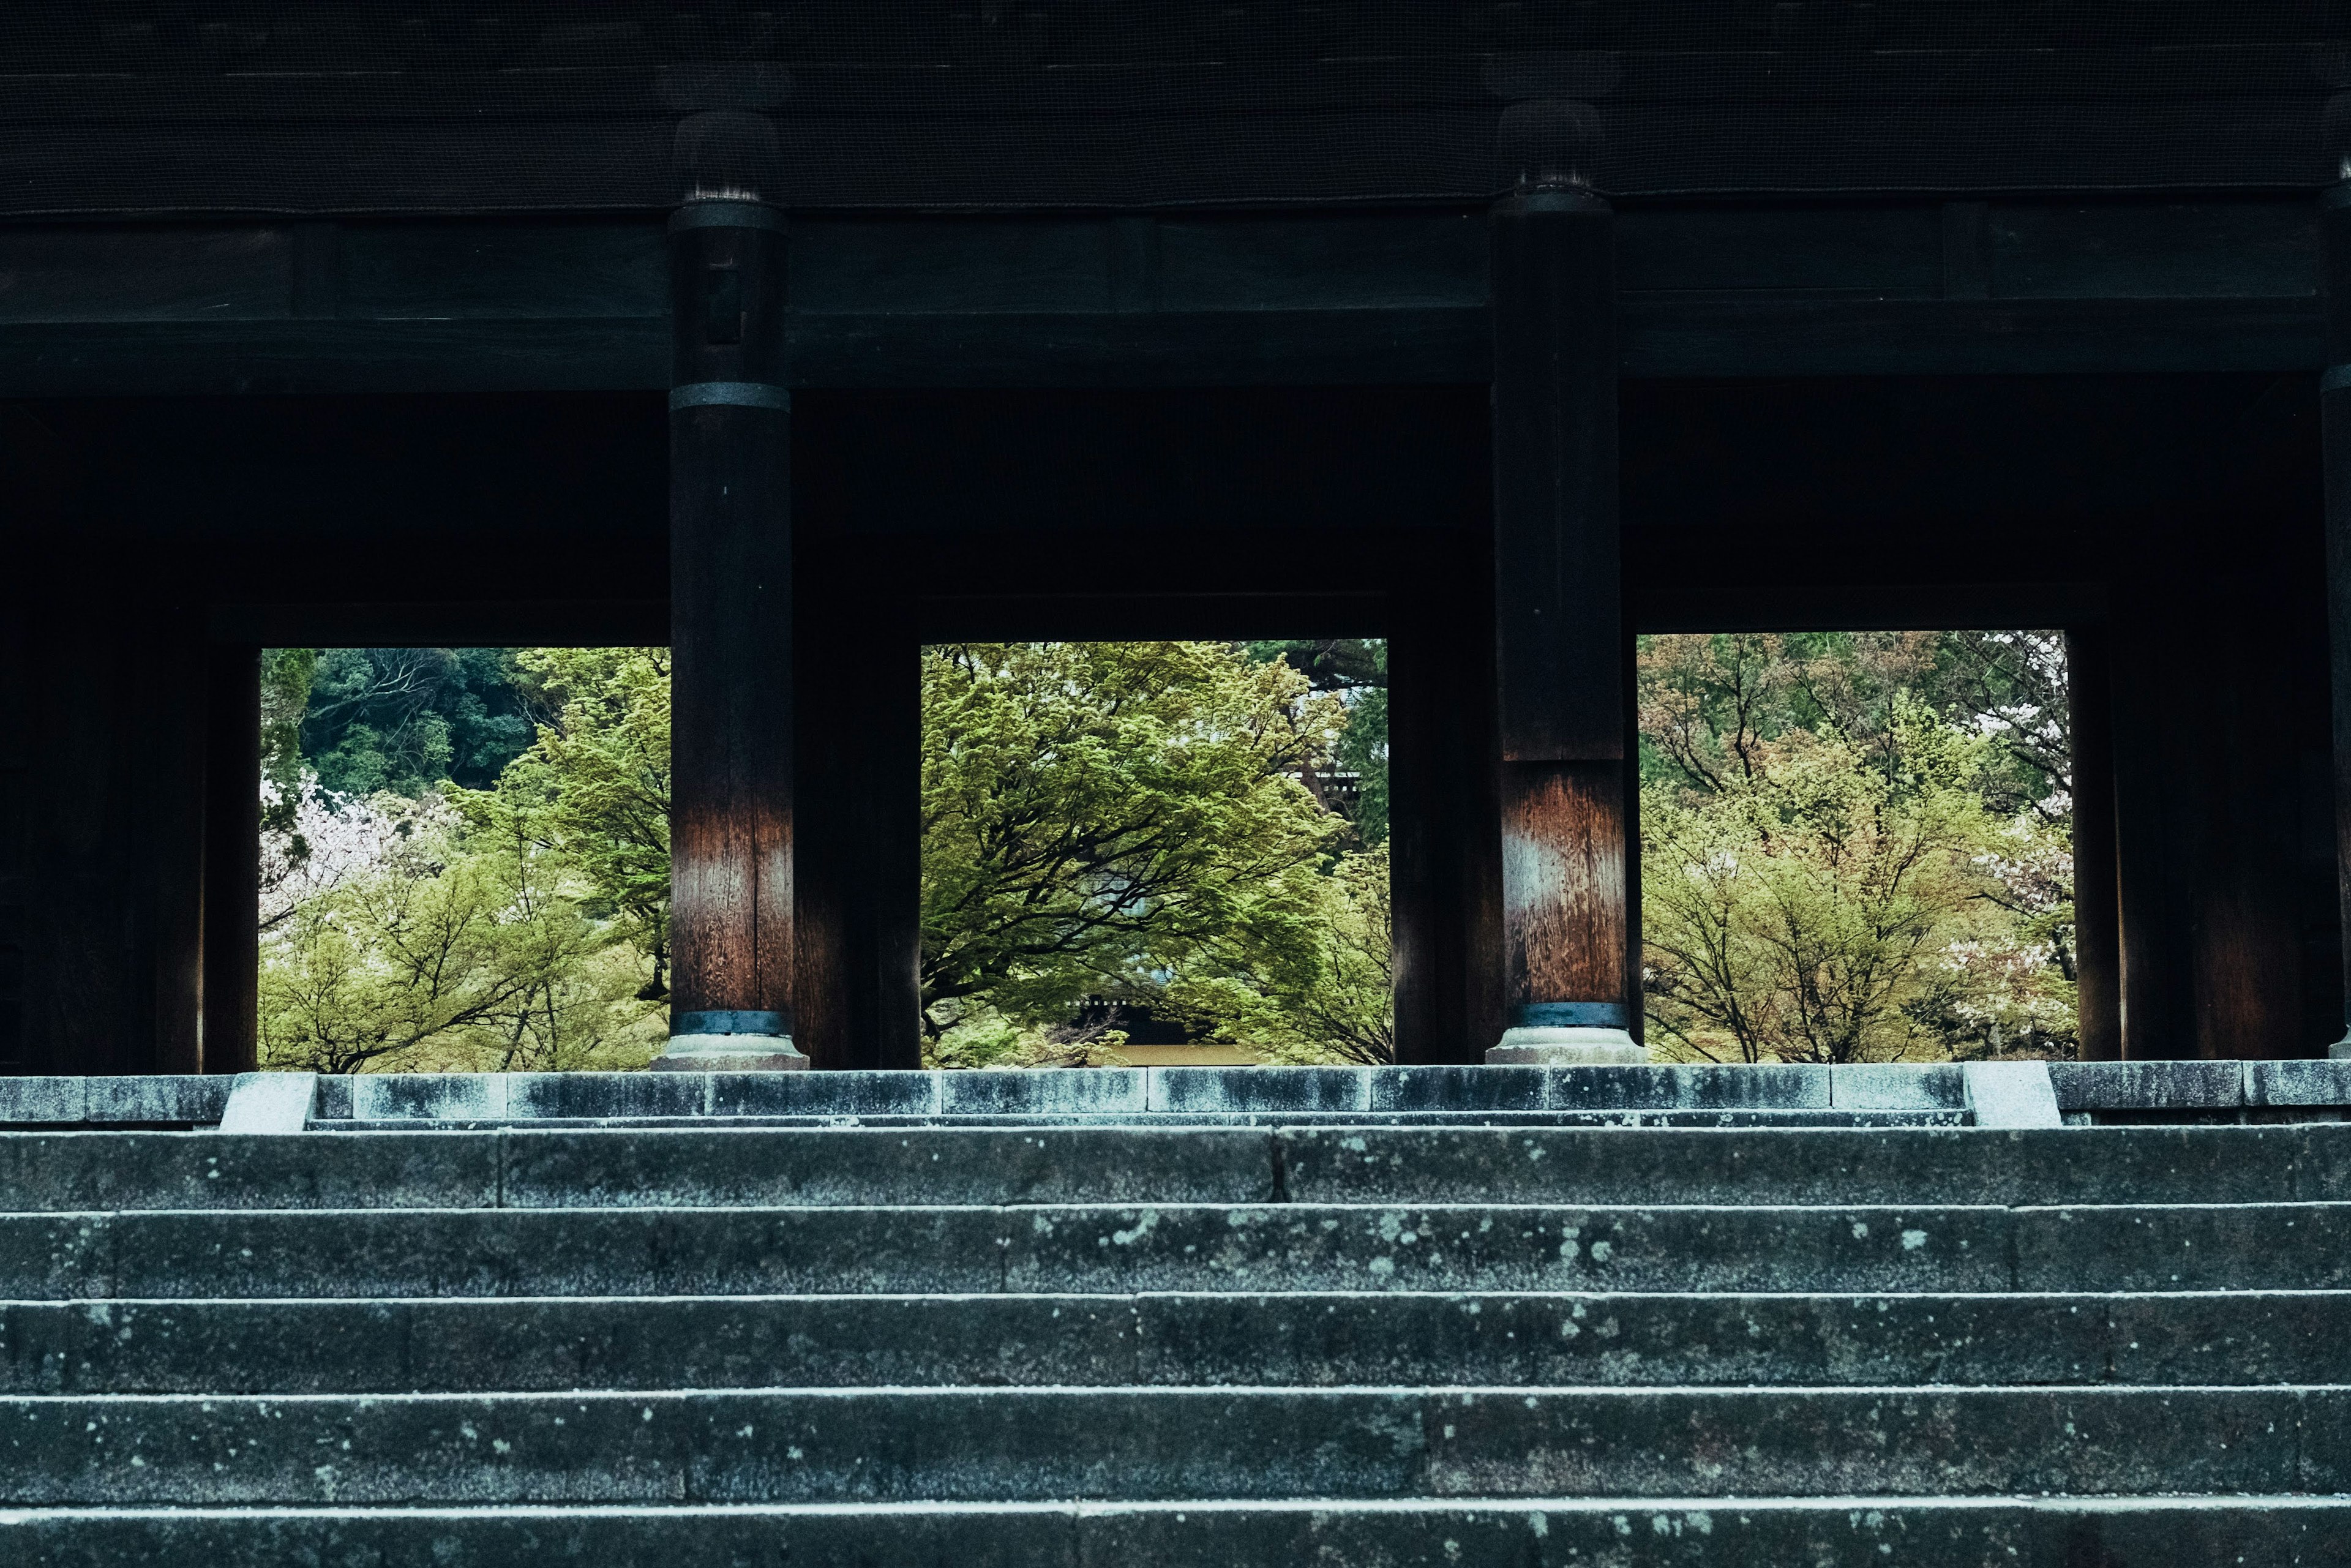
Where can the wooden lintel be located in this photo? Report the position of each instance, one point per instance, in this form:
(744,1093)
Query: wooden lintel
(1298,298)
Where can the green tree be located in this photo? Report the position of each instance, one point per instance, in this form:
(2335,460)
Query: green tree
(1851,849)
(1356,668)
(1309,976)
(523,925)
(594,784)
(459,949)
(1093,814)
(285,677)
(409,720)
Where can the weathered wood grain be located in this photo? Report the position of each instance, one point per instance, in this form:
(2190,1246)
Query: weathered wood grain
(731,636)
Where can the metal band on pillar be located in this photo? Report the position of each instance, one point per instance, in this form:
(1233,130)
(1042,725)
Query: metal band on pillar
(2335,425)
(1567,861)
(731,828)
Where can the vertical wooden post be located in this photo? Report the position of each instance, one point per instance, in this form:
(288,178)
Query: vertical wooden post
(731,634)
(1444,832)
(232,895)
(168,875)
(2097,925)
(859,874)
(2152,835)
(114,959)
(1559,628)
(2334,423)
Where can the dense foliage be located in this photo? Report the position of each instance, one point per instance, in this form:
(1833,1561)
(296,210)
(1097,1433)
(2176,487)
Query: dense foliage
(1139,823)
(1854,847)
(409,720)
(1135,824)
(523,926)
(1857,847)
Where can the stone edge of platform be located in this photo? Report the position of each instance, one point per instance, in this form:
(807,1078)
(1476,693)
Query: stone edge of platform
(2081,1089)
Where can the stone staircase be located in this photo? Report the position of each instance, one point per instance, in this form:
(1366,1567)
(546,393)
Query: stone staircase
(470,1321)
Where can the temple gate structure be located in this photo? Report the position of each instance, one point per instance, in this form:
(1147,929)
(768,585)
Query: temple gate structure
(798,337)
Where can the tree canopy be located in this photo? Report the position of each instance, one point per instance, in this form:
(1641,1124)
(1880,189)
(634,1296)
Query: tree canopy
(407,719)
(1855,847)
(519,926)
(1132,823)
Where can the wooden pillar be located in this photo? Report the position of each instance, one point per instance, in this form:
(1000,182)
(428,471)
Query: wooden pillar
(731,634)
(2097,925)
(1559,627)
(19,768)
(859,874)
(2152,879)
(1445,875)
(232,897)
(172,736)
(2334,423)
(113,947)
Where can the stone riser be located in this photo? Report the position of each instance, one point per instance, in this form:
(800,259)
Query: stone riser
(657,1168)
(1274,1247)
(349,1347)
(1573,1533)
(1037,1445)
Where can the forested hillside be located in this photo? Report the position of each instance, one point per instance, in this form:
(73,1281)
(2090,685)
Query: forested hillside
(1855,848)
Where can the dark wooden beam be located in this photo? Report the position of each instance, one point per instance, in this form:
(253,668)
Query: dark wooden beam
(555,304)
(2155,834)
(1698,603)
(857,869)
(443,623)
(1445,874)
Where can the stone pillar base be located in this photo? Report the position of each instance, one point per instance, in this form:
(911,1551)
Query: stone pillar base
(1567,1046)
(730,1053)
(729,1041)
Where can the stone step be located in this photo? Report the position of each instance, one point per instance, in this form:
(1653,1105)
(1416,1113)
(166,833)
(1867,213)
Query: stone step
(1279,1340)
(590,1168)
(2275,1532)
(900,1445)
(2309,1163)
(1754,1117)
(1106,1164)
(1264,1247)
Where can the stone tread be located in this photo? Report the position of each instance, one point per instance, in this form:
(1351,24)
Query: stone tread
(906,1445)
(593,1167)
(1273,1340)
(1526,1532)
(1170,1246)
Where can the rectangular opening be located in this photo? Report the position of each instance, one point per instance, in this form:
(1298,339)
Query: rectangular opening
(464,859)
(1155,852)
(1858,846)
(1141,852)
